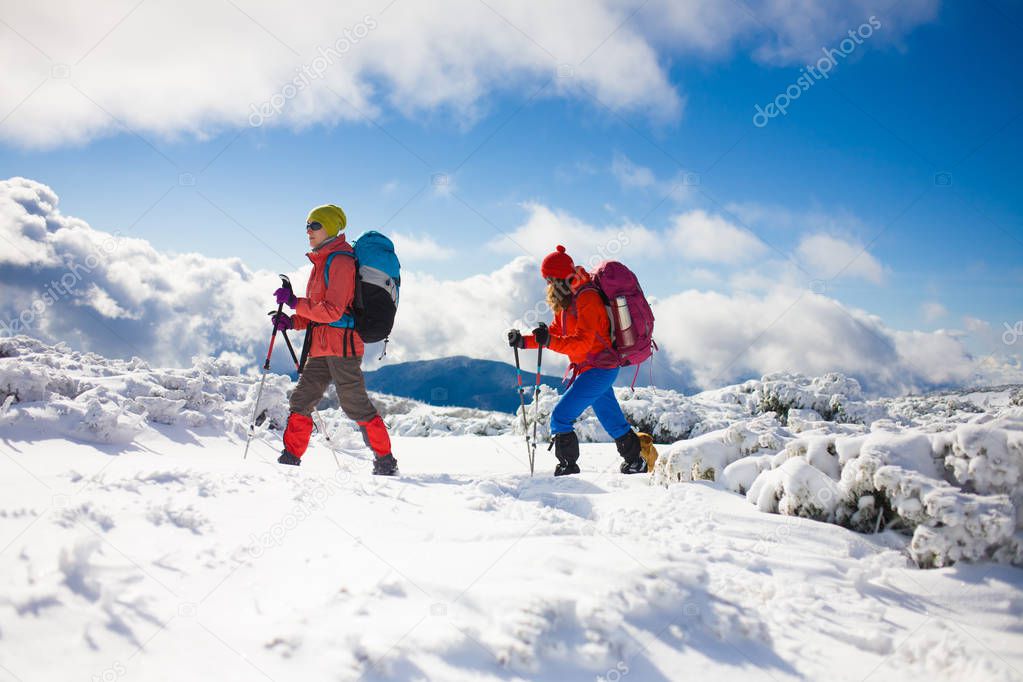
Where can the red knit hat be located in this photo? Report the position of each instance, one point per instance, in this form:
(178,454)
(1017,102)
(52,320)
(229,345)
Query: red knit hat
(558,264)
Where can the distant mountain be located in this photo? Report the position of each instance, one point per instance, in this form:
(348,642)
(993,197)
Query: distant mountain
(458,380)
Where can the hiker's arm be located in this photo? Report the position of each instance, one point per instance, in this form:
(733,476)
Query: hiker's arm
(591,319)
(554,327)
(339,296)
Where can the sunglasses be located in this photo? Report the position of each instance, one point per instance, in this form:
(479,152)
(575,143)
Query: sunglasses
(314,226)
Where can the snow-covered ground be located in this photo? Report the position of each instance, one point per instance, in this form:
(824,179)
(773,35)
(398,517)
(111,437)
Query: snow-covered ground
(135,543)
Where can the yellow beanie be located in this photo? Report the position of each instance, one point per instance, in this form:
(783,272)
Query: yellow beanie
(330,216)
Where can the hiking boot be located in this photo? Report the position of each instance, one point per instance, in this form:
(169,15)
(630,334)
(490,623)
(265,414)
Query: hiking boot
(634,467)
(630,449)
(385,466)
(566,449)
(566,469)
(288,458)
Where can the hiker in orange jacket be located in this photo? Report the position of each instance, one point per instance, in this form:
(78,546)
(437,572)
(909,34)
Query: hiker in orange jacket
(582,331)
(333,353)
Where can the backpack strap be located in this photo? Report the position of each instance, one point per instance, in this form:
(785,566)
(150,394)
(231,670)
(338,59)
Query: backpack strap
(346,321)
(591,285)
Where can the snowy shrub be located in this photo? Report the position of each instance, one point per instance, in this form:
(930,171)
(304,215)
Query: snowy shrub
(706,457)
(988,457)
(161,410)
(740,474)
(948,525)
(429,421)
(102,422)
(795,489)
(826,395)
(665,415)
(23,382)
(953,484)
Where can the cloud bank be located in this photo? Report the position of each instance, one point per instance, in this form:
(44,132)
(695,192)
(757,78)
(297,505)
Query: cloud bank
(116,295)
(153,68)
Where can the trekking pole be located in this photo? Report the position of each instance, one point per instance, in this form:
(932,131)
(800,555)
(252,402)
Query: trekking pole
(266,368)
(522,403)
(536,407)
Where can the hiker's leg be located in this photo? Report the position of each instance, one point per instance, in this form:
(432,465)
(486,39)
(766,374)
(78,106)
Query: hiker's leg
(609,413)
(307,394)
(355,403)
(586,388)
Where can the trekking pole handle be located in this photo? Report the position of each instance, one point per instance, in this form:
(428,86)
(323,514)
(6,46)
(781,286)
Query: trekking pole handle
(286,283)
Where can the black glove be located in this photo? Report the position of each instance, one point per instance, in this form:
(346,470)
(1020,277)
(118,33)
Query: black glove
(542,335)
(515,339)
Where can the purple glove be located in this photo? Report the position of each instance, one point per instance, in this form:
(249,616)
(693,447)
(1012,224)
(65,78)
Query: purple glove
(286,296)
(282,321)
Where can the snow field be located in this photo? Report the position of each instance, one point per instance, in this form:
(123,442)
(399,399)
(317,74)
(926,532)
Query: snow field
(136,544)
(464,568)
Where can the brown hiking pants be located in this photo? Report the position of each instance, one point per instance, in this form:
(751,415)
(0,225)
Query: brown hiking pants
(346,373)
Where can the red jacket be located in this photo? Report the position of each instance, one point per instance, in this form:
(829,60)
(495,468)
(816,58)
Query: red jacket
(582,332)
(324,305)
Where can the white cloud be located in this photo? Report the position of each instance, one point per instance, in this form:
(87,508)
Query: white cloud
(630,174)
(545,228)
(439,318)
(158,70)
(722,339)
(933,311)
(413,248)
(699,236)
(828,257)
(113,294)
(703,276)
(976,325)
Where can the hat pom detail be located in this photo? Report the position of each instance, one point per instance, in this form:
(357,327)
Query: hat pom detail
(557,264)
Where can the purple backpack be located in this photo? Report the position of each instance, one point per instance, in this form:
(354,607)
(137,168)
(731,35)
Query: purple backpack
(632,320)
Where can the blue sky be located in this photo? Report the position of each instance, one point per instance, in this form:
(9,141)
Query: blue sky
(856,156)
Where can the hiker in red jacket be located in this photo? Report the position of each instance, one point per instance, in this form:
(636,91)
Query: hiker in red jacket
(581,330)
(334,352)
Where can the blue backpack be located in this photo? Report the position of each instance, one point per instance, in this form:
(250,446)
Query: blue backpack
(377,281)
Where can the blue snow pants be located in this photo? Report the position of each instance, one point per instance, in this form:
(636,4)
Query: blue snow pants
(592,387)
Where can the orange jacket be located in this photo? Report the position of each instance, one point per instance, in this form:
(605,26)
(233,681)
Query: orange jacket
(582,332)
(324,305)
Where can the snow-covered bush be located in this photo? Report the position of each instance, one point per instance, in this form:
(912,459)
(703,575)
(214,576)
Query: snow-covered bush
(708,455)
(955,487)
(426,421)
(795,489)
(948,525)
